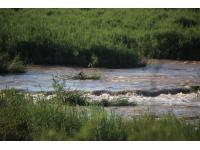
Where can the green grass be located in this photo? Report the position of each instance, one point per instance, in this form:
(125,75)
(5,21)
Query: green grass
(24,118)
(99,37)
(67,97)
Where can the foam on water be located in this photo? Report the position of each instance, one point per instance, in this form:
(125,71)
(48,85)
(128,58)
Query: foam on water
(160,75)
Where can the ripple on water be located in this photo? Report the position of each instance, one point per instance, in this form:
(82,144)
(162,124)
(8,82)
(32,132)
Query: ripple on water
(158,75)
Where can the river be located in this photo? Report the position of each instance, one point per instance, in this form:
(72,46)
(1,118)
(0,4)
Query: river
(158,76)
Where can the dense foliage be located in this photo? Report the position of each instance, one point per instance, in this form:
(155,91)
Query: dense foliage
(99,37)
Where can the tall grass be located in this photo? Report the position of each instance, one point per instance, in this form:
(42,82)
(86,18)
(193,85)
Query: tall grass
(23,117)
(99,37)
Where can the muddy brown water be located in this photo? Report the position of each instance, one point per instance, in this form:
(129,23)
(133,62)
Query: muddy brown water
(157,75)
(163,74)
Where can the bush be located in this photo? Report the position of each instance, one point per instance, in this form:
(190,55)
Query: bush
(13,66)
(4,63)
(186,22)
(83,76)
(105,102)
(66,96)
(168,44)
(16,65)
(74,98)
(122,101)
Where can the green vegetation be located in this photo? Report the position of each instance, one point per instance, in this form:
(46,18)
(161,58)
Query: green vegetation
(99,37)
(8,65)
(67,97)
(121,101)
(86,76)
(23,117)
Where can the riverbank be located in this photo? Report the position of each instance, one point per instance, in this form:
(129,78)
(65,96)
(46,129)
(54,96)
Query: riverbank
(25,118)
(112,38)
(130,103)
(162,85)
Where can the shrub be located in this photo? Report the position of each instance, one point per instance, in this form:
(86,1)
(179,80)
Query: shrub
(121,101)
(185,22)
(105,102)
(84,76)
(66,96)
(4,63)
(16,66)
(74,98)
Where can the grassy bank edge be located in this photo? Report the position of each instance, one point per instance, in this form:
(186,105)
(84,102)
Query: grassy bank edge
(23,118)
